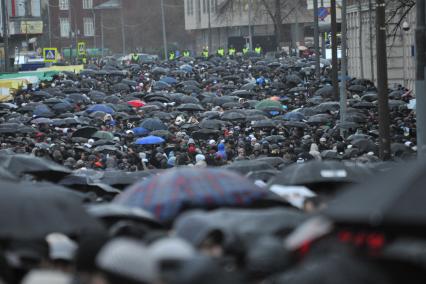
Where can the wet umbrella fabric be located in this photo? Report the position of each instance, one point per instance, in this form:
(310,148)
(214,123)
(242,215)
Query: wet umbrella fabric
(85,132)
(19,164)
(28,211)
(167,194)
(315,172)
(149,140)
(101,108)
(246,166)
(153,124)
(393,200)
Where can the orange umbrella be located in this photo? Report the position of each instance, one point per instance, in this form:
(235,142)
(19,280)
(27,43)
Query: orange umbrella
(274,98)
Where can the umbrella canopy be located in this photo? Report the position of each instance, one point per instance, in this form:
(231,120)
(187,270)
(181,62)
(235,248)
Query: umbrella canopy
(104,135)
(239,224)
(233,116)
(326,91)
(190,107)
(246,166)
(294,116)
(111,213)
(44,169)
(266,123)
(34,210)
(173,191)
(205,134)
(101,108)
(393,200)
(85,132)
(268,104)
(316,172)
(136,103)
(153,124)
(149,140)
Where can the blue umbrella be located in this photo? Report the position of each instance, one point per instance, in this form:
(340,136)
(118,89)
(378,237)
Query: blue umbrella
(169,80)
(186,68)
(169,193)
(100,107)
(140,131)
(149,140)
(294,116)
(43,111)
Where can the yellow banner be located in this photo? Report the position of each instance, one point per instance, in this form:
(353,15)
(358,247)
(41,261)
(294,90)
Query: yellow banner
(31,27)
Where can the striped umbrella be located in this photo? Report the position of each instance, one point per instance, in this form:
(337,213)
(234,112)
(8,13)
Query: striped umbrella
(168,194)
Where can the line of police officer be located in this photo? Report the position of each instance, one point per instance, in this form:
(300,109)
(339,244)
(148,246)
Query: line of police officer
(232,51)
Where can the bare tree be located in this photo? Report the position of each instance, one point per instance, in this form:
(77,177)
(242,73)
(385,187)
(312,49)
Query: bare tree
(278,11)
(397,13)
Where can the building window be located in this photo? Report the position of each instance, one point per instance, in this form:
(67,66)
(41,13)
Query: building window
(65,27)
(87,4)
(89,29)
(190,7)
(64,4)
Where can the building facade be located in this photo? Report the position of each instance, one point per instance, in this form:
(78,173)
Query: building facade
(24,23)
(362,44)
(231,26)
(121,26)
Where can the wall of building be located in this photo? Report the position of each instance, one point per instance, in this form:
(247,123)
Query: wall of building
(401,61)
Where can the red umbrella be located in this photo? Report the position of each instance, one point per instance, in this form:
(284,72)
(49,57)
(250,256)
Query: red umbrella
(136,103)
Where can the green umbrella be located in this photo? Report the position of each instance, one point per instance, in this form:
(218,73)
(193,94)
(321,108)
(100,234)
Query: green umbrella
(268,104)
(105,135)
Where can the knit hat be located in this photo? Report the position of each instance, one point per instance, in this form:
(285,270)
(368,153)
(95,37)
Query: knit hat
(199,158)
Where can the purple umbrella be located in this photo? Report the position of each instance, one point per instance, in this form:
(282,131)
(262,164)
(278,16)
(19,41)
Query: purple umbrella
(168,194)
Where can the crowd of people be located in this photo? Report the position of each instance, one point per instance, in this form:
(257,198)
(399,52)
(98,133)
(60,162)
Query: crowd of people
(180,135)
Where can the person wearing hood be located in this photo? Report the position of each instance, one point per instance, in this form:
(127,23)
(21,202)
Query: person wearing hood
(221,152)
(200,161)
(314,152)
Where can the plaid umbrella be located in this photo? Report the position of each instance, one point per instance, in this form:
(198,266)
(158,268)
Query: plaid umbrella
(168,194)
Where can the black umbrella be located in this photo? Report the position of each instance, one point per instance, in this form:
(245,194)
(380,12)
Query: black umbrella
(393,200)
(212,124)
(357,88)
(316,172)
(233,116)
(364,145)
(97,96)
(326,91)
(246,166)
(153,124)
(267,123)
(370,97)
(320,119)
(111,213)
(243,94)
(33,210)
(364,104)
(297,124)
(5,175)
(190,107)
(85,132)
(184,99)
(44,169)
(274,161)
(275,139)
(205,134)
(231,105)
(327,106)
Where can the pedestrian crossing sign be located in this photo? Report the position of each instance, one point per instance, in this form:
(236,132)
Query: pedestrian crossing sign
(81,47)
(49,54)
